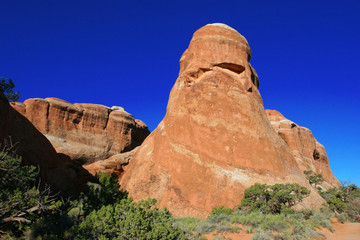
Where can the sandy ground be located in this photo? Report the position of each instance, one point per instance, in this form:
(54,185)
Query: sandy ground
(346,231)
(233,236)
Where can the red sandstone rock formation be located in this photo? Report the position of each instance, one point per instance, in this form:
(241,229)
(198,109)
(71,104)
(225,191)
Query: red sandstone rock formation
(215,139)
(35,149)
(85,132)
(308,153)
(116,163)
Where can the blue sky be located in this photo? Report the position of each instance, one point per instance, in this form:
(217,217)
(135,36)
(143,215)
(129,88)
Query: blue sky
(126,53)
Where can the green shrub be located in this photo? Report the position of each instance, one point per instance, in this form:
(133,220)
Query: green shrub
(272,199)
(260,235)
(321,219)
(187,224)
(345,200)
(337,204)
(6,87)
(249,230)
(221,210)
(218,218)
(205,227)
(106,191)
(314,178)
(224,228)
(129,220)
(343,217)
(22,201)
(275,223)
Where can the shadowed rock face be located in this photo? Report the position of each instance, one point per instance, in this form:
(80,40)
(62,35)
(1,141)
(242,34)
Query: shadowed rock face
(35,149)
(215,139)
(308,153)
(85,132)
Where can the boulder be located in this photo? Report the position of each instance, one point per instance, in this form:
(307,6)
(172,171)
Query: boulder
(215,139)
(85,132)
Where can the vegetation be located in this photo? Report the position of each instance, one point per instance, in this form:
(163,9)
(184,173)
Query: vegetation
(273,199)
(286,225)
(21,200)
(314,179)
(105,212)
(264,212)
(345,202)
(7,87)
(129,220)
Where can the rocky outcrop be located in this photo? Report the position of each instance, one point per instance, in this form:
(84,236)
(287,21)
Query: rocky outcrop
(35,149)
(309,154)
(115,164)
(215,139)
(85,132)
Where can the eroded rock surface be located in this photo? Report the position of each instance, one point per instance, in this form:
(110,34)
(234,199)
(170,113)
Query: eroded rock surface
(215,139)
(309,154)
(116,163)
(85,132)
(35,149)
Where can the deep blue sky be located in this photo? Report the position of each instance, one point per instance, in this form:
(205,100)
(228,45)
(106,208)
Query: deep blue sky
(126,53)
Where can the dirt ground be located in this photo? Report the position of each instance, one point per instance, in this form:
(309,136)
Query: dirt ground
(346,231)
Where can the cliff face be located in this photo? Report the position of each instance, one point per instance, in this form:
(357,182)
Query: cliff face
(215,139)
(85,132)
(308,153)
(35,149)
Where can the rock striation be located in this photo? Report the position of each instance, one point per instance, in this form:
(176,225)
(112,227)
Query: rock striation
(35,149)
(215,139)
(307,151)
(85,132)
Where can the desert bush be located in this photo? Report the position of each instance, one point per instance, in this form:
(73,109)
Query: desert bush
(221,210)
(273,199)
(106,190)
(187,224)
(249,230)
(345,200)
(336,204)
(321,219)
(250,219)
(218,218)
(205,227)
(225,227)
(129,220)
(22,200)
(275,223)
(314,178)
(261,235)
(343,217)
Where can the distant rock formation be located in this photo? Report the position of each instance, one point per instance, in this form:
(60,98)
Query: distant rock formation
(308,153)
(85,132)
(35,149)
(215,139)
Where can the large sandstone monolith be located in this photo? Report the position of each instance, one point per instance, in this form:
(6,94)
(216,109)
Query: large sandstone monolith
(215,139)
(85,132)
(309,153)
(35,149)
